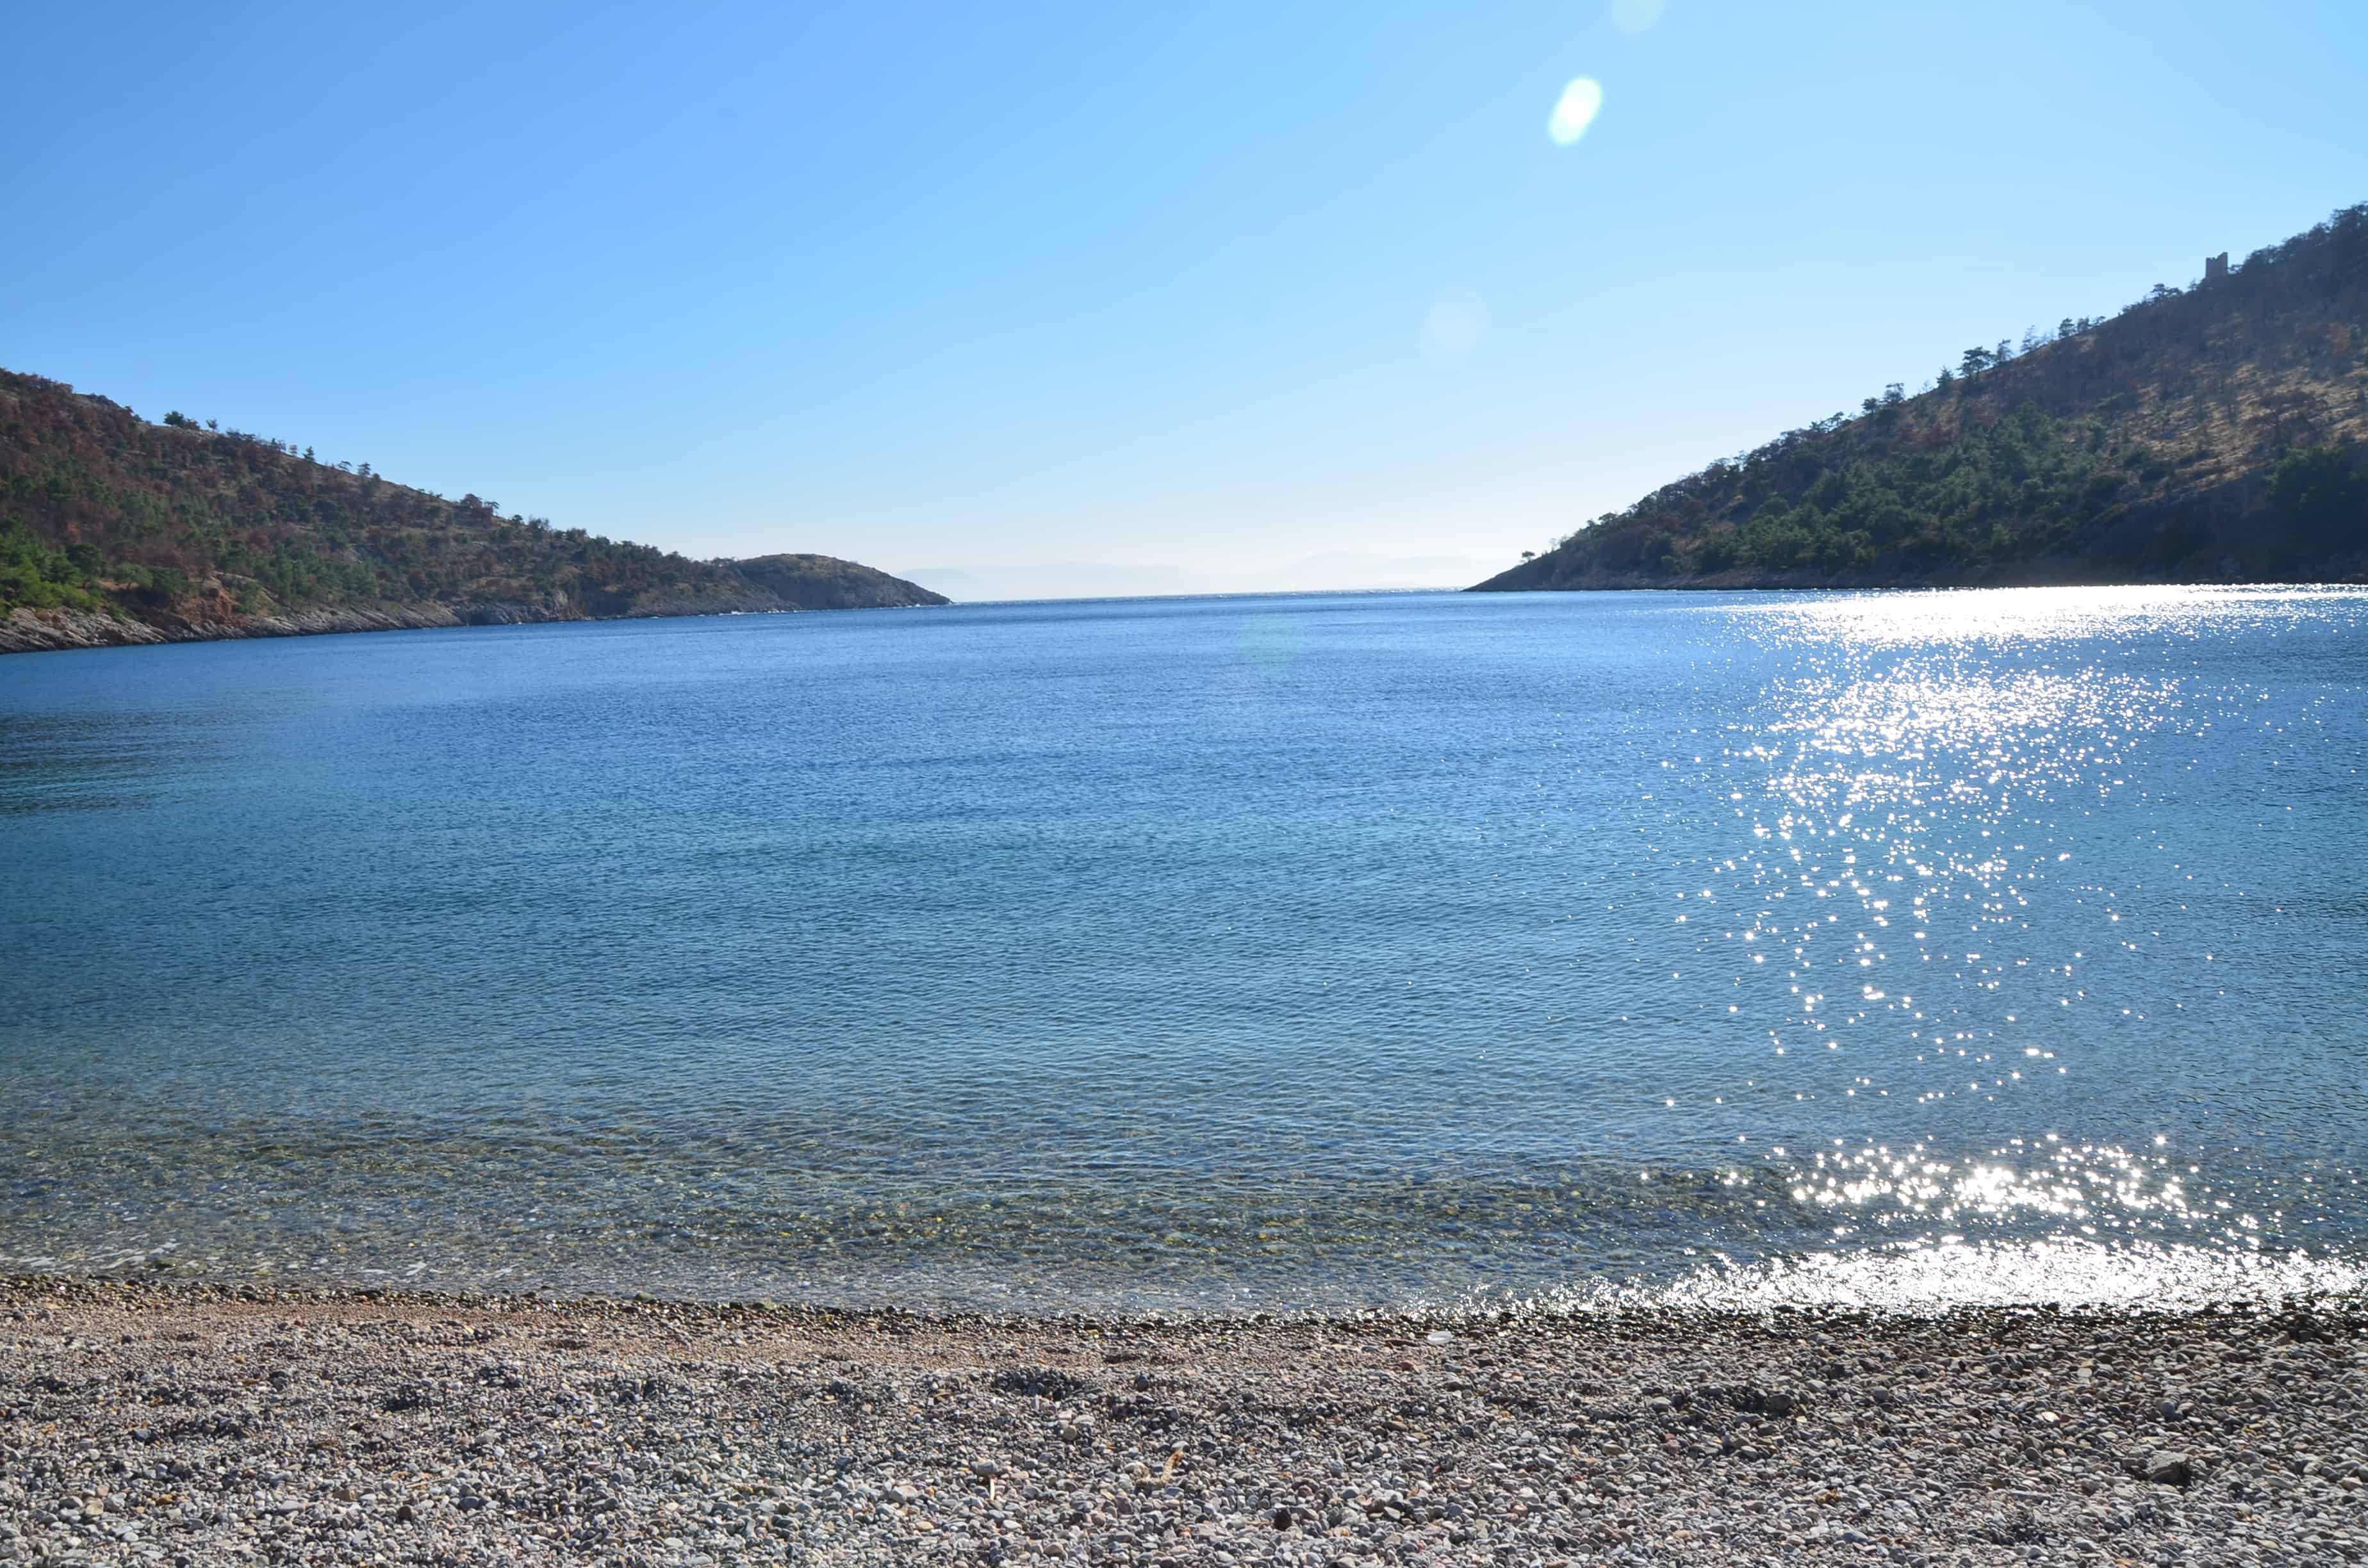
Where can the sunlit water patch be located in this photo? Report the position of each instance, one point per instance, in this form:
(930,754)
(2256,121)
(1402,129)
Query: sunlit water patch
(1216,955)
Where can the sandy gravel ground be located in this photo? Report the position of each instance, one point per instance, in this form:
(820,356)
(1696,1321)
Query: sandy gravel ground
(192,1425)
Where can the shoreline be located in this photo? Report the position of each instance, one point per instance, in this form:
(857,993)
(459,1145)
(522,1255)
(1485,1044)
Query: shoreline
(24,630)
(211,1423)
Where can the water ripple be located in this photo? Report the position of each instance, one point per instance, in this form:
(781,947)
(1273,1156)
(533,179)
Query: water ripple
(1328,951)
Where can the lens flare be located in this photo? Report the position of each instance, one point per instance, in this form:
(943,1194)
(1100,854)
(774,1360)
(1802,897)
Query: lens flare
(1635,16)
(1574,110)
(1456,322)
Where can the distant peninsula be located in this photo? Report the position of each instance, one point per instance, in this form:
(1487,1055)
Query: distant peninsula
(117,530)
(2211,434)
(824,582)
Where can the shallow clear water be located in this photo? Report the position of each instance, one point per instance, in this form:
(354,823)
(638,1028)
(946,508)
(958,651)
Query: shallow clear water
(1212,954)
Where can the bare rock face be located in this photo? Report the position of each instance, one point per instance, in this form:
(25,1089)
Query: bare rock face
(29,630)
(43,631)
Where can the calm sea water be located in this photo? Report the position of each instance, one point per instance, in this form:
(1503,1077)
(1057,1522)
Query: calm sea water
(1209,954)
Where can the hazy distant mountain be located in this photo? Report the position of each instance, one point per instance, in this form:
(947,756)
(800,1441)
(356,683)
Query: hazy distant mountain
(2213,434)
(113,529)
(1078,579)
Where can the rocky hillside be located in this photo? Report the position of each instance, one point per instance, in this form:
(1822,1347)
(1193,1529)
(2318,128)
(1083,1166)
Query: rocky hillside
(2218,433)
(114,530)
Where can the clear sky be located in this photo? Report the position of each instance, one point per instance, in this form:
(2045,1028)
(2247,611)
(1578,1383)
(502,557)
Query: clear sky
(1087,296)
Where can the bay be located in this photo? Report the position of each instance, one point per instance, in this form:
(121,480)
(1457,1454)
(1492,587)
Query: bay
(1207,954)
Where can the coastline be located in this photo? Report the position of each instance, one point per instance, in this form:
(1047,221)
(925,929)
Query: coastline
(157,1421)
(2032,576)
(25,630)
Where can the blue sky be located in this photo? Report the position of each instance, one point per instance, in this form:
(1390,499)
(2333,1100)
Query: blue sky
(1077,296)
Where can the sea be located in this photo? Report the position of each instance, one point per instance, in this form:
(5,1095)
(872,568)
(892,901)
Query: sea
(1208,956)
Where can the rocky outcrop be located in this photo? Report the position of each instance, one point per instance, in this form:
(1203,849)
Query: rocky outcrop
(27,630)
(34,630)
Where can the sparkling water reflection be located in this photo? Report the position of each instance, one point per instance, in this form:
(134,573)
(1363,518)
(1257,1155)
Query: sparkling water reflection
(1206,954)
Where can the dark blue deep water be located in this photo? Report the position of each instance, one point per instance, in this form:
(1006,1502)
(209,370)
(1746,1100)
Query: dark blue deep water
(1207,954)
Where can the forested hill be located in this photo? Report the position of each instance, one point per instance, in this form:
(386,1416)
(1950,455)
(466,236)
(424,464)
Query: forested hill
(114,530)
(2218,433)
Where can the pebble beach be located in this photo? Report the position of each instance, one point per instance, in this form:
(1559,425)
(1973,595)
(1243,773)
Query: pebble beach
(179,1424)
